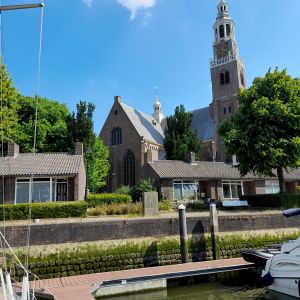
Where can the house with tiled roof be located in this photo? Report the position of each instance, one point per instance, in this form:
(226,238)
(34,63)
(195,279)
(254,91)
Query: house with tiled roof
(194,180)
(49,176)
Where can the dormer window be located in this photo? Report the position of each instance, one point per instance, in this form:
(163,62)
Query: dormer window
(116,136)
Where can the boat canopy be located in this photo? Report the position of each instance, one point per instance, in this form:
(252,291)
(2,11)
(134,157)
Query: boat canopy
(291,212)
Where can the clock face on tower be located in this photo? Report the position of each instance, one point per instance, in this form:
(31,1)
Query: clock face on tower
(222,50)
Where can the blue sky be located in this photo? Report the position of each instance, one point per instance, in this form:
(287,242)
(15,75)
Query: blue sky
(96,49)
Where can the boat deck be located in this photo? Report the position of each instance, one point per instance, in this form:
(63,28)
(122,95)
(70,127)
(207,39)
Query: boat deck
(79,287)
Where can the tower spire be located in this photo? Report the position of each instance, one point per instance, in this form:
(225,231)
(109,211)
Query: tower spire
(157,115)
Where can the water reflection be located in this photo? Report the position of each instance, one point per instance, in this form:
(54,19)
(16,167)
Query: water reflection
(229,286)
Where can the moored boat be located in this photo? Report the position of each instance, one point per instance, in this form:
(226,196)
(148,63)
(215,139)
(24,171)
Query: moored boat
(282,271)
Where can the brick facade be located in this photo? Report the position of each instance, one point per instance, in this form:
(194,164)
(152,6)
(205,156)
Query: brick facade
(131,142)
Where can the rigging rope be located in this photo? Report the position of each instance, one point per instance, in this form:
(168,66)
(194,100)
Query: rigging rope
(2,129)
(35,133)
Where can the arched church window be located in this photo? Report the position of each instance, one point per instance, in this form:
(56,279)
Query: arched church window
(221,31)
(228,29)
(227,78)
(224,77)
(242,79)
(116,136)
(129,169)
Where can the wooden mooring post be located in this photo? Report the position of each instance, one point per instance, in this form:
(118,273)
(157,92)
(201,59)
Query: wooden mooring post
(214,229)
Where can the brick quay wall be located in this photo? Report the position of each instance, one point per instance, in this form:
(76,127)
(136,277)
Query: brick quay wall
(88,230)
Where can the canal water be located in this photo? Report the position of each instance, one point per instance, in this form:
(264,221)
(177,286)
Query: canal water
(229,286)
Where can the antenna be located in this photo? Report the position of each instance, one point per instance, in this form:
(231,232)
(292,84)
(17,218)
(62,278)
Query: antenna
(156,92)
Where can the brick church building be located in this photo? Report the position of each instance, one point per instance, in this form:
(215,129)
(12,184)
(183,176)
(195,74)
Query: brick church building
(135,139)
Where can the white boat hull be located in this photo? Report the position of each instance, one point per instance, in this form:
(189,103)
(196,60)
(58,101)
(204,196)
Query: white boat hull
(287,286)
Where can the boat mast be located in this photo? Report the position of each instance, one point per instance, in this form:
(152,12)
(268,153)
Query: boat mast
(6,287)
(21,6)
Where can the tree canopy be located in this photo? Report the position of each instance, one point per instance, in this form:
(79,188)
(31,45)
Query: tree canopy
(9,105)
(264,132)
(51,125)
(81,129)
(180,138)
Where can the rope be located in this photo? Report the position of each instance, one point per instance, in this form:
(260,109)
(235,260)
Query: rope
(35,134)
(2,128)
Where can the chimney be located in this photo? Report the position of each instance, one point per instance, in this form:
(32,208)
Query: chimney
(13,149)
(191,158)
(148,157)
(118,99)
(78,148)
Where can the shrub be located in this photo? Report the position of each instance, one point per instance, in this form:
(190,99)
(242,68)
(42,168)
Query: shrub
(165,205)
(43,210)
(116,209)
(282,200)
(145,185)
(125,189)
(94,200)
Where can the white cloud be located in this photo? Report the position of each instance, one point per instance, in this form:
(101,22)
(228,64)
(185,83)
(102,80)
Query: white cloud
(88,3)
(135,5)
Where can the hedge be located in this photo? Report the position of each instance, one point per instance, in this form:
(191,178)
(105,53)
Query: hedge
(94,200)
(43,210)
(282,200)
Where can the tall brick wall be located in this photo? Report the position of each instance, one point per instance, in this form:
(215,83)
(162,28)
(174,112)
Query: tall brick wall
(43,234)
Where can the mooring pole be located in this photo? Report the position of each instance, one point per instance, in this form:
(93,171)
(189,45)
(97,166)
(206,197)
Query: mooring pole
(183,234)
(214,229)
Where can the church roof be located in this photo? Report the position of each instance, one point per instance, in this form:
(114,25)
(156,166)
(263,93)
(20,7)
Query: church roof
(204,124)
(146,126)
(174,169)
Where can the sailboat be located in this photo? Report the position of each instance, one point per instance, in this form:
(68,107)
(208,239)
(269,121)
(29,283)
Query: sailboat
(9,289)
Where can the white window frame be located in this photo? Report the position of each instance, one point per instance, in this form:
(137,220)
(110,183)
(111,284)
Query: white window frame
(230,183)
(30,181)
(182,182)
(272,184)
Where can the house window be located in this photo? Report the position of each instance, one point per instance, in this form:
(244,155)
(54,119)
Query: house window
(272,187)
(129,169)
(116,136)
(232,189)
(185,190)
(40,189)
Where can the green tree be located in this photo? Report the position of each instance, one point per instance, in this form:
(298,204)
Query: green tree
(51,125)
(264,132)
(81,129)
(9,105)
(180,138)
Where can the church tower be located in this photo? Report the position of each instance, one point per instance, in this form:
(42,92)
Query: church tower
(227,71)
